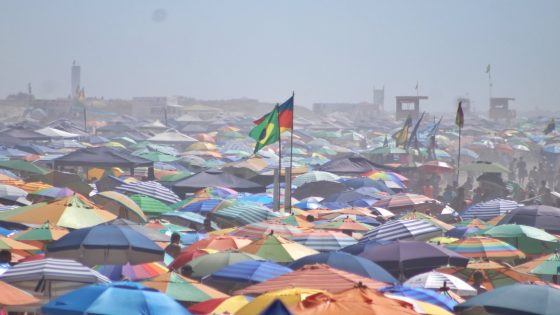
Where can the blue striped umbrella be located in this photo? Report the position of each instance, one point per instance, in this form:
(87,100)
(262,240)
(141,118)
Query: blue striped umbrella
(242,213)
(203,206)
(186,219)
(424,295)
(251,270)
(403,229)
(324,241)
(490,209)
(151,189)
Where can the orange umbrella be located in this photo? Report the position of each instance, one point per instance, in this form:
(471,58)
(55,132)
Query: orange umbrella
(221,243)
(359,300)
(317,276)
(12,296)
(10,244)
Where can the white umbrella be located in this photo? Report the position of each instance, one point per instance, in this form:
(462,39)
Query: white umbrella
(435,280)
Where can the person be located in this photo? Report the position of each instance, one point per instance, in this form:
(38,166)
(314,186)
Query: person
(534,174)
(478,280)
(448,194)
(174,248)
(458,202)
(512,164)
(186,271)
(5,257)
(521,170)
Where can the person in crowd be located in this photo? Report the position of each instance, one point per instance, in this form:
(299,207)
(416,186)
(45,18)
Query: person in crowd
(174,248)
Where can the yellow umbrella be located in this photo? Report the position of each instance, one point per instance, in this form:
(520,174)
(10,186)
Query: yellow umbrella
(442,240)
(201,146)
(289,297)
(114,202)
(101,172)
(222,231)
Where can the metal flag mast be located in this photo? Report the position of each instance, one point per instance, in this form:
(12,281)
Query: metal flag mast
(288,174)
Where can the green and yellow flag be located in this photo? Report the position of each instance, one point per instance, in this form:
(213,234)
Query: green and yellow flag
(401,136)
(267,131)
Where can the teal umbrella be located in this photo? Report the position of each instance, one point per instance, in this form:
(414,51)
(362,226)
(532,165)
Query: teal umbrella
(530,240)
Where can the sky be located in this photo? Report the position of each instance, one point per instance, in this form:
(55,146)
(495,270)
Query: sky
(324,51)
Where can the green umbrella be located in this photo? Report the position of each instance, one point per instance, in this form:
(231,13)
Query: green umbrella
(158,157)
(24,166)
(208,264)
(182,288)
(549,266)
(175,177)
(532,241)
(484,167)
(150,205)
(278,249)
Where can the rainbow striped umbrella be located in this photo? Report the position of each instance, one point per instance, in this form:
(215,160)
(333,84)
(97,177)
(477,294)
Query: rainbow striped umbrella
(182,288)
(132,272)
(485,247)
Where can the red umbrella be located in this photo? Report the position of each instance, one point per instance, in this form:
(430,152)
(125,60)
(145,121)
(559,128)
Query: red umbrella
(437,167)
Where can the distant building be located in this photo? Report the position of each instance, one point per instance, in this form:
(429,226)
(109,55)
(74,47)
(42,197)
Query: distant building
(75,80)
(408,105)
(499,108)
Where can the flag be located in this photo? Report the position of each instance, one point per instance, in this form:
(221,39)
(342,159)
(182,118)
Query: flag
(401,136)
(488,68)
(267,131)
(285,115)
(413,135)
(550,126)
(432,148)
(460,118)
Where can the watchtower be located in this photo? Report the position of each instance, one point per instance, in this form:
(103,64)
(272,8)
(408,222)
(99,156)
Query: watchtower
(499,108)
(408,105)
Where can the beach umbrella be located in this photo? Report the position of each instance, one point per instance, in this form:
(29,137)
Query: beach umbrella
(549,266)
(358,300)
(462,232)
(53,192)
(106,244)
(259,229)
(114,299)
(205,206)
(495,274)
(296,221)
(442,240)
(346,262)
(51,277)
(190,237)
(435,280)
(278,249)
(43,234)
(406,201)
(12,296)
(120,204)
(71,212)
(220,243)
(288,297)
(182,288)
(158,157)
(415,215)
(530,240)
(250,271)
(314,176)
(186,256)
(151,189)
(23,166)
(346,224)
(208,264)
(150,205)
(10,244)
(490,209)
(403,229)
(13,193)
(409,258)
(539,216)
(242,213)
(146,230)
(322,188)
(229,305)
(474,223)
(420,294)
(132,272)
(517,299)
(484,167)
(485,248)
(436,167)
(317,276)
(186,219)
(324,241)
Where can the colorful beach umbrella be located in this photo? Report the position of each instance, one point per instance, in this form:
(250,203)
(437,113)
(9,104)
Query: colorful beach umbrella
(403,229)
(208,264)
(132,272)
(485,248)
(182,288)
(490,209)
(420,294)
(150,205)
(278,249)
(220,306)
(289,297)
(530,240)
(324,241)
(120,204)
(436,280)
(259,229)
(250,271)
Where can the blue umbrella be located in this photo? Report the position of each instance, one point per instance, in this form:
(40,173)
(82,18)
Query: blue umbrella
(106,244)
(365,203)
(276,308)
(461,232)
(489,209)
(347,262)
(203,206)
(251,271)
(189,238)
(361,182)
(552,148)
(115,298)
(308,205)
(424,295)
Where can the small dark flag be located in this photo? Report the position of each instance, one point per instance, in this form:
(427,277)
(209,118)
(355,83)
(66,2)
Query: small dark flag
(550,126)
(460,118)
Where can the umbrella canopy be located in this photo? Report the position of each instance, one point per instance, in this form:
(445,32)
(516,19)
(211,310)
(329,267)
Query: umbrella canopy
(150,189)
(71,212)
(51,277)
(409,258)
(259,229)
(10,244)
(45,233)
(314,176)
(424,295)
(484,167)
(406,201)
(485,248)
(318,276)
(23,166)
(120,204)
(345,225)
(530,240)
(548,266)
(349,263)
(358,300)
(475,223)
(106,244)
(250,271)
(494,274)
(12,193)
(403,229)
(517,299)
(435,280)
(490,209)
(53,192)
(324,241)
(208,264)
(220,306)
(132,272)
(539,216)
(243,213)
(115,298)
(182,288)
(462,232)
(437,167)
(12,296)
(322,188)
(150,205)
(278,249)
(288,297)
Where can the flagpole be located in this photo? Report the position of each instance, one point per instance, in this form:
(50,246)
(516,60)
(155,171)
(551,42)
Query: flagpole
(277,193)
(288,200)
(459,155)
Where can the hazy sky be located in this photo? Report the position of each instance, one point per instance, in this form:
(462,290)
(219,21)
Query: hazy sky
(331,51)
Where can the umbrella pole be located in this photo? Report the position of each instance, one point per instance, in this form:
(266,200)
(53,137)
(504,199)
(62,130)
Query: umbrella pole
(277,187)
(459,156)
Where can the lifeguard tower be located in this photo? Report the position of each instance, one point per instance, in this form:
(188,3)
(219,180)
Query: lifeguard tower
(499,108)
(408,105)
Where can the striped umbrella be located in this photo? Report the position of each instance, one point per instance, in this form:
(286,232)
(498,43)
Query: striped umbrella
(324,241)
(425,295)
(250,271)
(182,288)
(403,229)
(314,176)
(490,209)
(278,249)
(435,280)
(406,201)
(150,205)
(259,229)
(132,272)
(221,306)
(208,264)
(242,213)
(486,248)
(151,189)
(51,277)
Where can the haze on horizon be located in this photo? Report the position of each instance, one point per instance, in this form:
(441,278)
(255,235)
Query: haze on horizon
(325,51)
